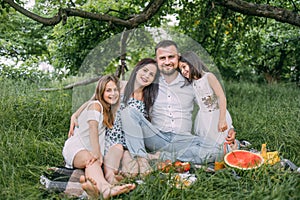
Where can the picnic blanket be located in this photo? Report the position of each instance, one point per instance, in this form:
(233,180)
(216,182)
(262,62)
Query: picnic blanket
(61,179)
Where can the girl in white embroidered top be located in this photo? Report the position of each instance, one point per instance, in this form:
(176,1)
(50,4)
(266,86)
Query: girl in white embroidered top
(213,122)
(84,149)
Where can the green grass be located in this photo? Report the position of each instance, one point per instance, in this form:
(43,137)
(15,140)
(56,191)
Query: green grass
(34,125)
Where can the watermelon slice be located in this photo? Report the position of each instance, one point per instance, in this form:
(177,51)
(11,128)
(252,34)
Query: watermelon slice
(244,160)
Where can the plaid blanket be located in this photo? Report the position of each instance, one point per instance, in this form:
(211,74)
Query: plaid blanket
(61,179)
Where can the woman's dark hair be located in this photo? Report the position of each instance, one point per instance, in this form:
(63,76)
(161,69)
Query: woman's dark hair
(149,92)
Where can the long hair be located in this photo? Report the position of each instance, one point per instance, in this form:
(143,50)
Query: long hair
(109,111)
(149,92)
(196,65)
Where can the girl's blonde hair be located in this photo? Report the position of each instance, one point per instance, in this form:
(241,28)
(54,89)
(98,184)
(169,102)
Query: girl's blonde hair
(109,111)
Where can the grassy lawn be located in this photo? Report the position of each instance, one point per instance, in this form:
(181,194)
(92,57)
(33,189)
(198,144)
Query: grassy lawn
(34,126)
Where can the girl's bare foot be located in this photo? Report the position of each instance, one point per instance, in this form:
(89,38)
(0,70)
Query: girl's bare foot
(114,178)
(90,186)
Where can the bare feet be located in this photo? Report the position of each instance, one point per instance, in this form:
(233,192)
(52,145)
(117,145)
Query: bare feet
(154,156)
(116,190)
(113,178)
(90,186)
(144,167)
(130,168)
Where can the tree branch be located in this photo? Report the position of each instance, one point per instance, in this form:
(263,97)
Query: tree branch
(260,10)
(46,21)
(71,86)
(63,13)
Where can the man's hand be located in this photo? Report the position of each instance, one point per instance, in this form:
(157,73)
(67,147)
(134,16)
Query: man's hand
(73,124)
(231,136)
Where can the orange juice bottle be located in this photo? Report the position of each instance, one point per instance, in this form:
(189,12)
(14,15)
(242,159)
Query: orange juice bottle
(219,161)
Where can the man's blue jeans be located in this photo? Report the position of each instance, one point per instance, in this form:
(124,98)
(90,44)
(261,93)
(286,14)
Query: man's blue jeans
(142,137)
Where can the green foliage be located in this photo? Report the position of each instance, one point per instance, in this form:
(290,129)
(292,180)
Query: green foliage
(34,125)
(74,40)
(23,73)
(266,114)
(243,47)
(21,38)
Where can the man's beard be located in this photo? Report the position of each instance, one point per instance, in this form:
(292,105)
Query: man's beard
(168,72)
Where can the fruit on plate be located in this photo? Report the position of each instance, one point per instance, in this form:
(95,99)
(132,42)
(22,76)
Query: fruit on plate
(182,166)
(272,158)
(244,160)
(164,166)
(177,166)
(182,181)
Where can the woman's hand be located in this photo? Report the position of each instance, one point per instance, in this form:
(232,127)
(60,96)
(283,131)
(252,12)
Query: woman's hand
(94,159)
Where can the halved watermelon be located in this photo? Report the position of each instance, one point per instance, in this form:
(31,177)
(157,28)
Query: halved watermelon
(244,160)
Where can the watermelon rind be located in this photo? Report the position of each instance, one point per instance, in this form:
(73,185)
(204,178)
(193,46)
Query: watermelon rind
(237,154)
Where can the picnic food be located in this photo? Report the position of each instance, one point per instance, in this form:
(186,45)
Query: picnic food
(244,160)
(263,151)
(182,181)
(272,158)
(182,166)
(165,166)
(177,166)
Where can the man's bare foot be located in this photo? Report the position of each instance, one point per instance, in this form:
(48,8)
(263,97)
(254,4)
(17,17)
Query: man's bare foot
(116,190)
(144,167)
(130,169)
(154,156)
(90,186)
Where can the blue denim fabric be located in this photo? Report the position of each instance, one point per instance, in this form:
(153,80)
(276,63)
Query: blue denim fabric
(142,137)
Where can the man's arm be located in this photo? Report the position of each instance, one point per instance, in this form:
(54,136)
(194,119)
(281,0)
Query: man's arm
(74,122)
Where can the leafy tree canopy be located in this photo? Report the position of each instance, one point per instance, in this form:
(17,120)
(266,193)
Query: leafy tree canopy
(254,40)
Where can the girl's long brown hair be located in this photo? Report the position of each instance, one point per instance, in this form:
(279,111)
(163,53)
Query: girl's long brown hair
(197,66)
(109,111)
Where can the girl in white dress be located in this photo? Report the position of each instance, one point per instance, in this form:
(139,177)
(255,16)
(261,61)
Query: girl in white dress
(84,149)
(213,122)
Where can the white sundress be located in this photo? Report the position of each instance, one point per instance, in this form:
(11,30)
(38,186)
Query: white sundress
(207,119)
(81,139)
